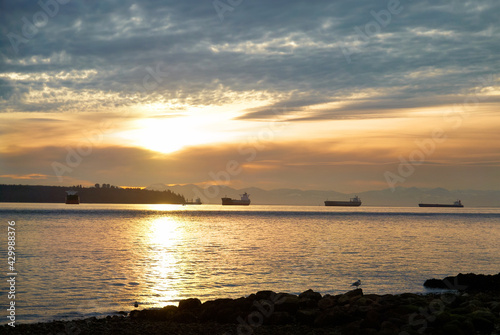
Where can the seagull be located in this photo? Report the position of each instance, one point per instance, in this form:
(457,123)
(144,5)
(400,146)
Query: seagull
(356,283)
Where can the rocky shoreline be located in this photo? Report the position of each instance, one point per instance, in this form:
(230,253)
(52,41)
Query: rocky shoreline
(470,309)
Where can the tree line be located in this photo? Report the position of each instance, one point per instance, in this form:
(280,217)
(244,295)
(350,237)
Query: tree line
(105,194)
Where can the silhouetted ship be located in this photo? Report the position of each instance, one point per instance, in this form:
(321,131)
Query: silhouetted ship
(72,198)
(457,203)
(196,202)
(245,200)
(352,202)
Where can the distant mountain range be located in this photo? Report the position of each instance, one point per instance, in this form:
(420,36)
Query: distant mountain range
(401,196)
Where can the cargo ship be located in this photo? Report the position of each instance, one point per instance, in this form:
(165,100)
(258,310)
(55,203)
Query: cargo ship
(245,200)
(457,203)
(352,202)
(196,202)
(72,198)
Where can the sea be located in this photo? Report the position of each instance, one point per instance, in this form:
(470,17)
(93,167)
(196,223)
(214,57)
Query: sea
(78,261)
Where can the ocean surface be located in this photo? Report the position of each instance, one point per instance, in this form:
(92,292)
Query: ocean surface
(75,261)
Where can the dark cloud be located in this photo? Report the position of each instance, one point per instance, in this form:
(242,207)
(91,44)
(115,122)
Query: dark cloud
(278,47)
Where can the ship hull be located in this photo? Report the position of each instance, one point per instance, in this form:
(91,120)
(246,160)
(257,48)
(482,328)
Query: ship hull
(438,205)
(71,200)
(235,202)
(342,203)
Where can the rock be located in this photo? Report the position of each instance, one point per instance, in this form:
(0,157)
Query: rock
(350,296)
(287,303)
(371,320)
(485,314)
(280,318)
(227,315)
(307,316)
(267,295)
(144,314)
(453,328)
(188,304)
(167,312)
(335,316)
(389,327)
(310,294)
(353,328)
(466,282)
(224,310)
(309,299)
(494,307)
(326,302)
(363,301)
(244,304)
(461,310)
(306,303)
(184,316)
(483,325)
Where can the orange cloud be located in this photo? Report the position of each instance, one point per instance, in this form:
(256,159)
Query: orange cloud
(25,176)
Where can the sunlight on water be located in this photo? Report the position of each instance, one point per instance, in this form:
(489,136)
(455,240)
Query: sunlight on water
(96,259)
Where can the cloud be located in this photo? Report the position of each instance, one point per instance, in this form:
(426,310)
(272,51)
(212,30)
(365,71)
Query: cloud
(30,176)
(104,50)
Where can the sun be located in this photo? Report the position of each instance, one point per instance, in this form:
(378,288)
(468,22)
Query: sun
(170,134)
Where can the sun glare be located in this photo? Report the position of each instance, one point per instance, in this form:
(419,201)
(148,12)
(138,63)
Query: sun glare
(170,134)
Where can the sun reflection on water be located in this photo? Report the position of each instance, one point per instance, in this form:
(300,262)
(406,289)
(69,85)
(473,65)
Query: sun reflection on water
(161,263)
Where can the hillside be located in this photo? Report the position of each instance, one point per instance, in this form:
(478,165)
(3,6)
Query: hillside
(57,194)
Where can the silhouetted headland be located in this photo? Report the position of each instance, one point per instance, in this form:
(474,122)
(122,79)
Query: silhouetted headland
(97,194)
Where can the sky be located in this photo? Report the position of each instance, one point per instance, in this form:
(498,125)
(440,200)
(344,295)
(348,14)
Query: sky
(347,96)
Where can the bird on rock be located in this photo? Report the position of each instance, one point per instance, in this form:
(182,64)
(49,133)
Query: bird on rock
(356,283)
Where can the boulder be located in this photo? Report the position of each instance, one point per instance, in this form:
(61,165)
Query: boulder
(307,316)
(333,317)
(185,316)
(227,315)
(286,303)
(350,296)
(467,282)
(267,295)
(280,318)
(167,312)
(327,302)
(483,325)
(189,304)
(310,294)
